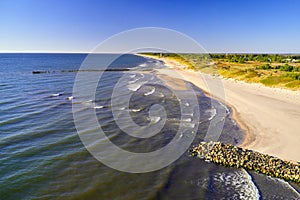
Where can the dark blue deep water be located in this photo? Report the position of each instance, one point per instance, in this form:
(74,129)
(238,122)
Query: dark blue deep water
(42,156)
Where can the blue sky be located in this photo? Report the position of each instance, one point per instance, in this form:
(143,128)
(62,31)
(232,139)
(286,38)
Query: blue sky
(219,26)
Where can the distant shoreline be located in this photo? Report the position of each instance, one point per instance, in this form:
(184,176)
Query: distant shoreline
(269,116)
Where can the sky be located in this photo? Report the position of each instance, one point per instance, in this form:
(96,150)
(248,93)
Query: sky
(220,26)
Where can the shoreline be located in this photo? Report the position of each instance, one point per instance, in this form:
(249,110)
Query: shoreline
(249,138)
(268,116)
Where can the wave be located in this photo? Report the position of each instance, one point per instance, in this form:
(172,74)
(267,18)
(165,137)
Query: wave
(12,120)
(154,120)
(55,95)
(187,120)
(212,112)
(189,114)
(136,78)
(254,187)
(32,111)
(238,184)
(233,122)
(143,65)
(98,107)
(136,110)
(189,125)
(14,104)
(83,102)
(226,108)
(133,81)
(70,98)
(150,92)
(132,75)
(134,87)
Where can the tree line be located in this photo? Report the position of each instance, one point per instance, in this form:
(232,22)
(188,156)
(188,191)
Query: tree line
(243,58)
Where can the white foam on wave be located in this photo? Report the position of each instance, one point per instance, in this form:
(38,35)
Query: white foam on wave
(133,81)
(253,186)
(130,110)
(70,98)
(190,115)
(55,95)
(150,92)
(154,120)
(136,110)
(98,107)
(173,120)
(134,87)
(226,108)
(189,125)
(143,65)
(88,102)
(239,184)
(212,112)
(233,121)
(187,120)
(135,78)
(132,75)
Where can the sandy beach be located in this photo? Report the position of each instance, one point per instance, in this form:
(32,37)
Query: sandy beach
(269,116)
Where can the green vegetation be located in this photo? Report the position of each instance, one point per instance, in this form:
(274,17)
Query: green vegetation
(273,74)
(197,62)
(275,80)
(273,70)
(244,58)
(285,68)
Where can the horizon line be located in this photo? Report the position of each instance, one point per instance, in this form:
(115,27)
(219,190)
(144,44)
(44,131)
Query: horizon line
(70,52)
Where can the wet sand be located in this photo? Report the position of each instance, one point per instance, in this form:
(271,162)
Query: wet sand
(269,116)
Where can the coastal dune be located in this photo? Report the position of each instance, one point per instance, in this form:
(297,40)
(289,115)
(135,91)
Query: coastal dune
(269,116)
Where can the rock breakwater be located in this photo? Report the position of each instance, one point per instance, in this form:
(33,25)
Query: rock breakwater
(233,156)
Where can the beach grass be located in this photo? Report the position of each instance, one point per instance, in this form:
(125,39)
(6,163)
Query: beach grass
(283,72)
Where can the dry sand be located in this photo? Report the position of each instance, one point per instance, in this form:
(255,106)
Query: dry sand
(270,116)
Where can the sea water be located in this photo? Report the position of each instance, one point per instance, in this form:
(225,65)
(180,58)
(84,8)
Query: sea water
(42,156)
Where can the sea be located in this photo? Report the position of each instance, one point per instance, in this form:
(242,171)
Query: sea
(42,155)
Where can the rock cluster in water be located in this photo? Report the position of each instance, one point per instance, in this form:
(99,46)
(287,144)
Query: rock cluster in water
(233,156)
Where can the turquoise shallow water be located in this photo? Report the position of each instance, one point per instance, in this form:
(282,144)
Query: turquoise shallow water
(42,156)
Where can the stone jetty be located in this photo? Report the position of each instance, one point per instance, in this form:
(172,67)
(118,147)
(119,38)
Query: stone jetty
(233,156)
(77,70)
